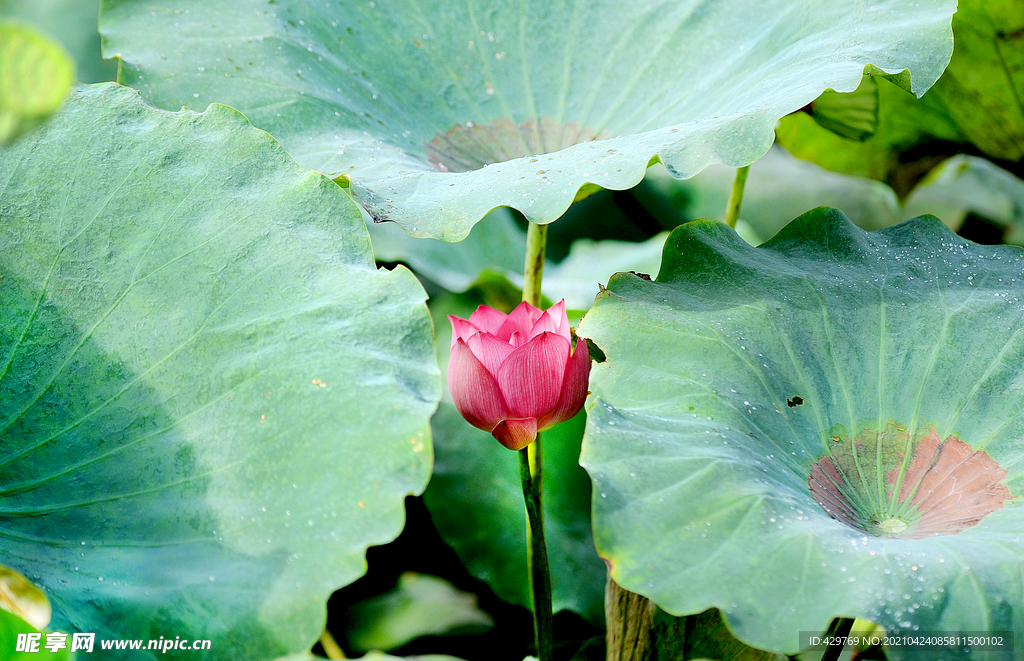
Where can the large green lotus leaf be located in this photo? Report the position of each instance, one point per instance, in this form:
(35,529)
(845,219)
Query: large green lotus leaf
(475,499)
(211,402)
(35,77)
(742,372)
(73,23)
(977,100)
(412,99)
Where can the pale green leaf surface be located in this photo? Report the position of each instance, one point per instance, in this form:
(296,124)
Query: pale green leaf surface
(967,184)
(419,605)
(475,499)
(978,100)
(380,656)
(780,187)
(35,77)
(211,402)
(590,263)
(361,88)
(74,24)
(701,468)
(853,115)
(497,245)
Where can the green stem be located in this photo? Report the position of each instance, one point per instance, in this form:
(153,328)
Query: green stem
(331,647)
(536,552)
(842,630)
(530,474)
(732,207)
(536,238)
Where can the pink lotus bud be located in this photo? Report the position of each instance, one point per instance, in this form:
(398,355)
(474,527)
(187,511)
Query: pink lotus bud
(516,375)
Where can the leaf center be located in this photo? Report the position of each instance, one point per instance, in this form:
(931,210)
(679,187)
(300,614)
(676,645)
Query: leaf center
(894,483)
(471,146)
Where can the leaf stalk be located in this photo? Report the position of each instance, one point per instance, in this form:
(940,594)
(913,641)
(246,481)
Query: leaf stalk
(732,207)
(533,271)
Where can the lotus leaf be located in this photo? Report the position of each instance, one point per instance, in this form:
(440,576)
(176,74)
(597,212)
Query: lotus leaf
(211,401)
(828,425)
(436,113)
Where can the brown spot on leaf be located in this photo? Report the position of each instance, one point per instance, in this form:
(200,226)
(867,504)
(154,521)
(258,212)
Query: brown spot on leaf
(471,146)
(945,488)
(827,485)
(795,401)
(951,486)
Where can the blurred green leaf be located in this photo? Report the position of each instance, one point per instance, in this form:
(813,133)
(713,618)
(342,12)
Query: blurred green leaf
(370,656)
(20,597)
(701,636)
(779,188)
(420,605)
(74,24)
(495,244)
(851,115)
(35,77)
(964,185)
(494,253)
(11,625)
(977,101)
(380,656)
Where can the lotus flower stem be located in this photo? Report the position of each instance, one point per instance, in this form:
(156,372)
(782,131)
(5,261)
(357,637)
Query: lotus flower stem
(732,207)
(536,552)
(536,239)
(530,470)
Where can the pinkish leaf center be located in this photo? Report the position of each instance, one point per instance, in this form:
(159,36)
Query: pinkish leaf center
(897,484)
(471,146)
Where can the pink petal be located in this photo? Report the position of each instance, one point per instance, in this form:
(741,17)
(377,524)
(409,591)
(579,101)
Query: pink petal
(490,351)
(531,377)
(521,319)
(487,319)
(461,329)
(574,386)
(474,390)
(517,340)
(554,320)
(515,433)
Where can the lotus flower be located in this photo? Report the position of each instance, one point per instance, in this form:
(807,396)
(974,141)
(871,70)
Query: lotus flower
(514,375)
